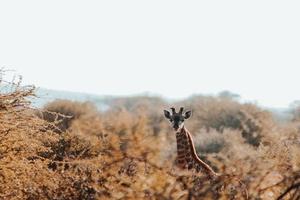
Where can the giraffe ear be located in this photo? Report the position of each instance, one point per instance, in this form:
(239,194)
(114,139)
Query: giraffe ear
(187,114)
(167,114)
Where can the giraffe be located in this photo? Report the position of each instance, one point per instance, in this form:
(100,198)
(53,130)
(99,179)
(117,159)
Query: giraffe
(187,157)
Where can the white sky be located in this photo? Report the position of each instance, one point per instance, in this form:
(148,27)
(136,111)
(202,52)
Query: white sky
(171,48)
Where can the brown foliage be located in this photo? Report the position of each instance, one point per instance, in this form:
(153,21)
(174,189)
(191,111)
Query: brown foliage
(64,112)
(224,113)
(69,150)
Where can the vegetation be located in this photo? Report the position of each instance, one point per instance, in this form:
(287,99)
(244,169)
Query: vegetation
(70,150)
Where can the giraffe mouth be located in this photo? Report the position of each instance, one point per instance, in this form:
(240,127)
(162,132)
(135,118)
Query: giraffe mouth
(176,128)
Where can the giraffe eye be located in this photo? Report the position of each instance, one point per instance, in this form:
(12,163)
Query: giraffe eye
(171,120)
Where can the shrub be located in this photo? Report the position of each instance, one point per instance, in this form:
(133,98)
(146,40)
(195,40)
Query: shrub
(152,107)
(63,112)
(209,142)
(116,155)
(222,113)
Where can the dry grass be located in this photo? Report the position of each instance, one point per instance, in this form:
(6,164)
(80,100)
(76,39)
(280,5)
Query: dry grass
(69,150)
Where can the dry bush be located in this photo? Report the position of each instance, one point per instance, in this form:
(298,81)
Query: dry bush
(23,138)
(221,113)
(65,111)
(209,142)
(149,106)
(295,111)
(128,151)
(291,192)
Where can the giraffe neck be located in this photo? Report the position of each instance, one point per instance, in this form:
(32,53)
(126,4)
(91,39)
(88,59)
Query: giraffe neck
(187,157)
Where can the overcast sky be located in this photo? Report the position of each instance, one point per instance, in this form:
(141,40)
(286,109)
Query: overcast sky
(171,48)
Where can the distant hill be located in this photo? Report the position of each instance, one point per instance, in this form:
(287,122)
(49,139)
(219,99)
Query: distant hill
(281,114)
(45,96)
(103,102)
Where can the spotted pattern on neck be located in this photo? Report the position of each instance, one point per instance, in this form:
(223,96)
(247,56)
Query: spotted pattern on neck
(187,157)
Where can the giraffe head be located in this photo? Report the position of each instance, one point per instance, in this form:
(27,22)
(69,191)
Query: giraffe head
(177,119)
